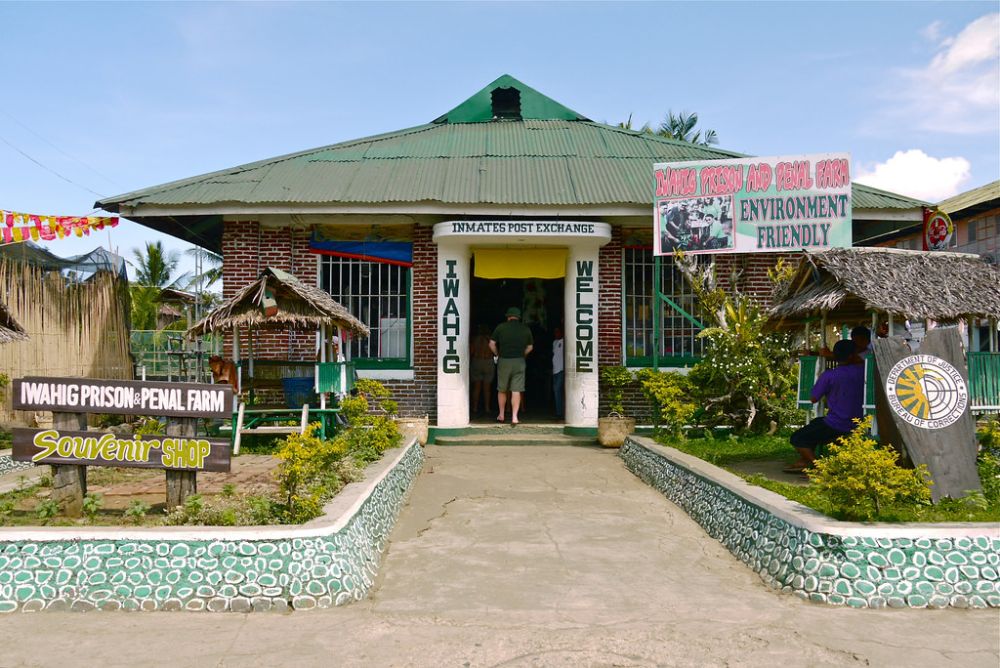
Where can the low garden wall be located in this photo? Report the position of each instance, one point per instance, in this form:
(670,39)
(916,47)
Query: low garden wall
(7,463)
(798,550)
(328,561)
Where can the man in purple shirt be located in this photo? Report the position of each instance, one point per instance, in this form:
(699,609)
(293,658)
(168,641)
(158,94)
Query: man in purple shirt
(844,389)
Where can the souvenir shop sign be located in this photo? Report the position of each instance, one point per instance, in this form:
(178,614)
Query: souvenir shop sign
(923,408)
(753,205)
(123,397)
(88,448)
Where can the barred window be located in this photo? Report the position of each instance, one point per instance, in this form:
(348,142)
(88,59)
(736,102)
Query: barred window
(676,337)
(377,294)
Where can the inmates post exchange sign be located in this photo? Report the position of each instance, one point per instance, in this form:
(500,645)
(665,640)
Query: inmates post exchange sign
(89,448)
(753,205)
(123,397)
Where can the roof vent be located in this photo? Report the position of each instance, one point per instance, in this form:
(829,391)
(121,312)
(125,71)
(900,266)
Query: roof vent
(506,103)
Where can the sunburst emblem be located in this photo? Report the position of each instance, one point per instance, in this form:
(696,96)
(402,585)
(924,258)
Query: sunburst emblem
(926,391)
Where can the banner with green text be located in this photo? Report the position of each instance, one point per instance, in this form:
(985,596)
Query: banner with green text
(753,205)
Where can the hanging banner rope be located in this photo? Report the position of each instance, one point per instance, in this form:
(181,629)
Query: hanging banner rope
(17,227)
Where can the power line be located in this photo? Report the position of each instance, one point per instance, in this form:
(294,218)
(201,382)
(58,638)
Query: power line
(49,169)
(71,157)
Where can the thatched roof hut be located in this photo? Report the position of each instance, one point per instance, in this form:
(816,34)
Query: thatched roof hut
(850,283)
(299,306)
(10,329)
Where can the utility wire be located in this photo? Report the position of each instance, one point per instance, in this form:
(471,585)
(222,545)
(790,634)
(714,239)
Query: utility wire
(71,157)
(49,169)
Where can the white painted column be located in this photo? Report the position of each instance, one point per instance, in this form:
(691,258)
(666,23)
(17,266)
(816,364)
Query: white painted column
(581,336)
(453,287)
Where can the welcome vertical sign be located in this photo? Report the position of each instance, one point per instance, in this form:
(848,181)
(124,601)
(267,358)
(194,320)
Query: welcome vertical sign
(753,205)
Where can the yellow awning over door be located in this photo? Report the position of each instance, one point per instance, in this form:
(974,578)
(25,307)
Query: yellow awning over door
(520,262)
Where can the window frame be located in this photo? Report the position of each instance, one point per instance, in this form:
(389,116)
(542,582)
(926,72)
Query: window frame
(326,263)
(664,360)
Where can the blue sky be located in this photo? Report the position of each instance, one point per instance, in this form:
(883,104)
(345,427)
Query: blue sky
(120,96)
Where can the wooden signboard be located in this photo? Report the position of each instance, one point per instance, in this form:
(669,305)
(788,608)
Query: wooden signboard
(123,397)
(924,403)
(89,448)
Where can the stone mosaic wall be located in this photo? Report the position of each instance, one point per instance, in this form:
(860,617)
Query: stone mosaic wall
(7,464)
(832,567)
(237,575)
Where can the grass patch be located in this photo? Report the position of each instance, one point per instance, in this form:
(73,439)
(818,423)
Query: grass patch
(726,451)
(732,449)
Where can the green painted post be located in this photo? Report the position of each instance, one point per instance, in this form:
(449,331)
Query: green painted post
(657,311)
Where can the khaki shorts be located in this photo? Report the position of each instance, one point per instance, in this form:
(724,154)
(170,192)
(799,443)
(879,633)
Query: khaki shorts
(482,368)
(510,374)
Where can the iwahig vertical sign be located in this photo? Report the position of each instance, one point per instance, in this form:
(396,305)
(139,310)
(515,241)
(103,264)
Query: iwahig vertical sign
(926,400)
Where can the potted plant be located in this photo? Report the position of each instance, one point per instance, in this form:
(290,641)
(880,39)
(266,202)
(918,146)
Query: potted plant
(612,430)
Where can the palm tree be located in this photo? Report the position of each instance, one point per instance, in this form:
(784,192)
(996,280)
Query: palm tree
(681,127)
(677,126)
(208,272)
(155,267)
(154,270)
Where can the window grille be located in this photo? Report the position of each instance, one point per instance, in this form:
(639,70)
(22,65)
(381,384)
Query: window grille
(377,294)
(678,336)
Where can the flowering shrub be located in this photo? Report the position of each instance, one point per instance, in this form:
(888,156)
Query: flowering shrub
(670,395)
(862,480)
(746,378)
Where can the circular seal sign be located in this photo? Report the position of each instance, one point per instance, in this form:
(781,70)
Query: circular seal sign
(938,231)
(926,391)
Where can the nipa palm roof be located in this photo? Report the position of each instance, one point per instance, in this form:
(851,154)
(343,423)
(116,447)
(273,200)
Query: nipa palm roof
(549,156)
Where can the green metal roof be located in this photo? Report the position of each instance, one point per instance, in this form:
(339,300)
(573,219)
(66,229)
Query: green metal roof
(986,195)
(534,105)
(506,162)
(552,156)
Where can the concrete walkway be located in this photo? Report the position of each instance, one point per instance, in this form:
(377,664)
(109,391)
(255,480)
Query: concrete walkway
(530,556)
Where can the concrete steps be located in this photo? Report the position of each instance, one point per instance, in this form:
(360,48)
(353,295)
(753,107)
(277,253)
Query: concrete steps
(500,435)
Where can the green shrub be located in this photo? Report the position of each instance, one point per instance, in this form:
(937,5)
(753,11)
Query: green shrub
(988,434)
(148,426)
(92,504)
(988,464)
(136,511)
(862,480)
(614,380)
(371,432)
(309,472)
(46,510)
(670,396)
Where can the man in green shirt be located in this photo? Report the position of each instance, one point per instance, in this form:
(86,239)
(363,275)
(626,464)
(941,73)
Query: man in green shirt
(511,342)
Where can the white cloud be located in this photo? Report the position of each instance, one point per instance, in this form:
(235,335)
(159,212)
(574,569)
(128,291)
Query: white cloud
(933,31)
(958,91)
(918,175)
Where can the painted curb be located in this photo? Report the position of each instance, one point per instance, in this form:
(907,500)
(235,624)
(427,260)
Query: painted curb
(798,550)
(329,561)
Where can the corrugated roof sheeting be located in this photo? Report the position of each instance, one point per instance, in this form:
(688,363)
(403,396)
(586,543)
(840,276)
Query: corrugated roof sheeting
(508,162)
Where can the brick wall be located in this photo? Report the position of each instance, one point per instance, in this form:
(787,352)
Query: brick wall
(419,396)
(609,308)
(247,249)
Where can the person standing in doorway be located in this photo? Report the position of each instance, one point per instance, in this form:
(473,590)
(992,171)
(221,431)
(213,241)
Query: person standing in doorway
(482,369)
(512,342)
(558,370)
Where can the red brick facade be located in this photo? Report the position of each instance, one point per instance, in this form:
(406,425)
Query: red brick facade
(419,396)
(247,249)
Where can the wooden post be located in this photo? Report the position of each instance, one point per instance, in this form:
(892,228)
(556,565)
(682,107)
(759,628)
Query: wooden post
(69,482)
(180,484)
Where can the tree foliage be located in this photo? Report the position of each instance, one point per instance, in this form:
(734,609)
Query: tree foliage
(680,127)
(747,376)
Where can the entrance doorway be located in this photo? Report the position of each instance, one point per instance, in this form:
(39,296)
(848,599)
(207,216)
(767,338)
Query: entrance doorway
(541,302)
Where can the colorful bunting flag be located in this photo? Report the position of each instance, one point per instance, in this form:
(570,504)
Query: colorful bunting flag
(16,227)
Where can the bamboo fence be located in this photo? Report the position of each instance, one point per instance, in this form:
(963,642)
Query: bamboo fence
(75,329)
